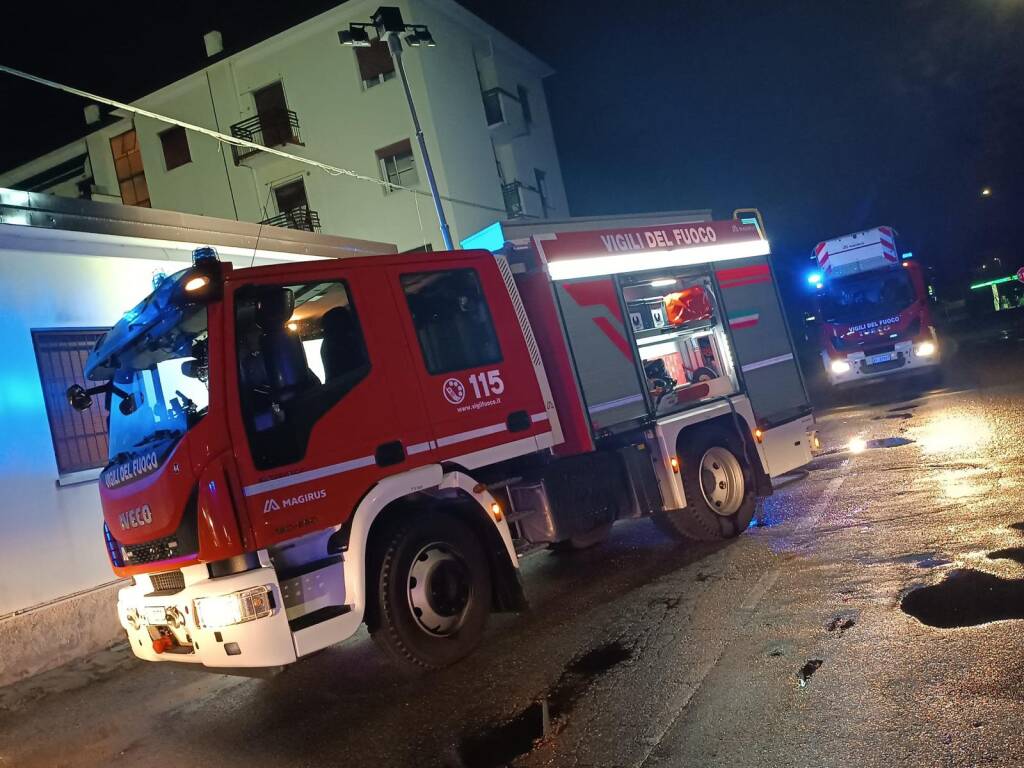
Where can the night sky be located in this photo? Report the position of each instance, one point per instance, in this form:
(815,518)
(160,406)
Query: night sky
(829,117)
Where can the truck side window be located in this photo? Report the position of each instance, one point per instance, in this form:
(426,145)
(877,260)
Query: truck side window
(300,351)
(453,323)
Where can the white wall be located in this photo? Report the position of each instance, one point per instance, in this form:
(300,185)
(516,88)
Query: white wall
(51,538)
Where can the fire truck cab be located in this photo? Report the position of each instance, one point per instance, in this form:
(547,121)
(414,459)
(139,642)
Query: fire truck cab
(301,448)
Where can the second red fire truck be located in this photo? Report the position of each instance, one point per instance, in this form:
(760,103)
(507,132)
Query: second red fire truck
(873,310)
(300,449)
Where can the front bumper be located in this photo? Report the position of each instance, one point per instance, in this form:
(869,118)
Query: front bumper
(906,361)
(263,642)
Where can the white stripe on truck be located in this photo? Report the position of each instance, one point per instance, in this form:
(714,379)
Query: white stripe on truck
(766,362)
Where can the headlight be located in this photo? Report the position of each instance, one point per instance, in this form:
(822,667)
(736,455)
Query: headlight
(925,349)
(234,608)
(840,366)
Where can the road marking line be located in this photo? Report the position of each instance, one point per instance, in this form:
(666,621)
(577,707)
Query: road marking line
(818,510)
(759,590)
(688,691)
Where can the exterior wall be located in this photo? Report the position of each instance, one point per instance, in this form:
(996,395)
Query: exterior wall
(51,540)
(342,124)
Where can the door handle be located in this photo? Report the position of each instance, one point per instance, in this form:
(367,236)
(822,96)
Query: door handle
(389,454)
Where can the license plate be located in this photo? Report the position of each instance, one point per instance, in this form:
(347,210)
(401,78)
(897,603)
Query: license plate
(155,614)
(876,359)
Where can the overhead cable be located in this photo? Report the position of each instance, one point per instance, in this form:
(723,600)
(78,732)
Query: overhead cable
(236,141)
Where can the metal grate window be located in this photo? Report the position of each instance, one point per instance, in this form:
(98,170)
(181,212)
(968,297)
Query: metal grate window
(79,439)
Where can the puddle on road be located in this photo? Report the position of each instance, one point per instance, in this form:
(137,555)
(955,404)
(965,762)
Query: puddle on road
(1010,553)
(907,407)
(923,560)
(500,744)
(841,622)
(966,598)
(807,670)
(889,442)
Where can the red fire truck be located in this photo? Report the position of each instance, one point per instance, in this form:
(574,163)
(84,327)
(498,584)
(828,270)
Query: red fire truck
(298,449)
(873,310)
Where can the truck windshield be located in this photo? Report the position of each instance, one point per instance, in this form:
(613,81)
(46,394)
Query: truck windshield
(866,296)
(166,384)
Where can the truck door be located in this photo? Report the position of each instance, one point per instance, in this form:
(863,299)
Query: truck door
(324,407)
(602,351)
(470,360)
(761,340)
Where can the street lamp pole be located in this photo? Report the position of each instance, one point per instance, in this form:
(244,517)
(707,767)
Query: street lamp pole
(389,25)
(395,47)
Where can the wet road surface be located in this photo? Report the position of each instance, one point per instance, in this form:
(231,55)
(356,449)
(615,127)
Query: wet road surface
(872,618)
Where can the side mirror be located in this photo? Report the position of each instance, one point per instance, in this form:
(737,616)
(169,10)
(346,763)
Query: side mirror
(130,404)
(79,398)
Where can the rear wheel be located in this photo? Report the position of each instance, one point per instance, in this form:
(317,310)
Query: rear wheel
(719,486)
(433,592)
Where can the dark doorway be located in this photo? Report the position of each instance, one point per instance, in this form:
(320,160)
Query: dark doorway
(292,203)
(273,114)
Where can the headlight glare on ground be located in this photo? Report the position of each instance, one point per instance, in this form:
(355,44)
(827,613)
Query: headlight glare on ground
(233,608)
(840,366)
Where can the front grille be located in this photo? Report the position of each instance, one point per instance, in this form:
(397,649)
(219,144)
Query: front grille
(879,350)
(151,551)
(168,583)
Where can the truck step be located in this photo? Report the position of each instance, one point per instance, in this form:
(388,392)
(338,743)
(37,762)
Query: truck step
(284,574)
(316,617)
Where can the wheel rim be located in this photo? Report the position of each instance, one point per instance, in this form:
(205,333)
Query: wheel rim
(439,589)
(721,481)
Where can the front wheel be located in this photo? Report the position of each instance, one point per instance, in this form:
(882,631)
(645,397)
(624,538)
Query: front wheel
(719,486)
(433,592)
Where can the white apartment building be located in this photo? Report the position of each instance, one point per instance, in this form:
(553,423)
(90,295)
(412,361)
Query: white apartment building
(480,97)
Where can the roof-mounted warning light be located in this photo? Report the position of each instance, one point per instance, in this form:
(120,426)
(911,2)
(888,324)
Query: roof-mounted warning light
(204,254)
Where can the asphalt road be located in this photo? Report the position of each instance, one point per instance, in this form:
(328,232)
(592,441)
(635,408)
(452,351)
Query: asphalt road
(791,646)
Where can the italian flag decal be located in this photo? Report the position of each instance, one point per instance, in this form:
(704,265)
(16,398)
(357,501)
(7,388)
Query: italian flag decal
(744,320)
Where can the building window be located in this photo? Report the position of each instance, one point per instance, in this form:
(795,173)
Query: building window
(375,63)
(293,206)
(397,165)
(79,437)
(524,103)
(275,120)
(131,176)
(290,196)
(175,144)
(493,111)
(453,323)
(542,189)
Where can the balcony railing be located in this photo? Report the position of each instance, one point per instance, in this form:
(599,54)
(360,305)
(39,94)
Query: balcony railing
(523,200)
(513,199)
(273,128)
(297,218)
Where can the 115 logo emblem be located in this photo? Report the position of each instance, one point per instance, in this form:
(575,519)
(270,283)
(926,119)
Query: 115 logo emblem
(484,384)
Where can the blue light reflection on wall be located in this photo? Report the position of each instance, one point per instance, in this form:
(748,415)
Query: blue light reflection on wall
(490,238)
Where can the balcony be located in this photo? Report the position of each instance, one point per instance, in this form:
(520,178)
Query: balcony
(273,128)
(506,118)
(297,218)
(522,200)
